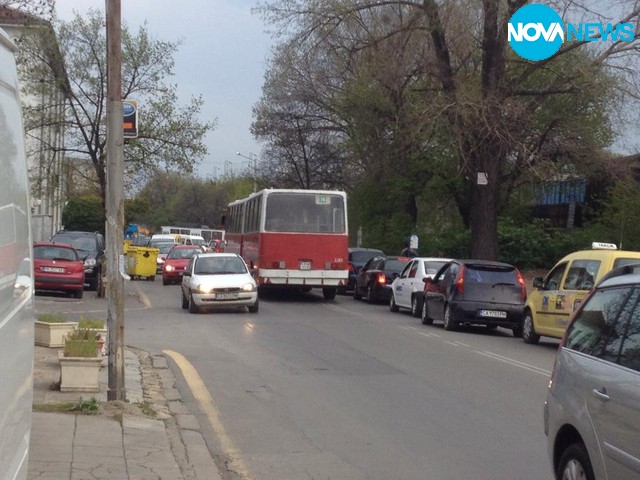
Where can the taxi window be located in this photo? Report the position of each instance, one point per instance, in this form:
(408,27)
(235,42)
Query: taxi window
(621,262)
(414,269)
(581,275)
(552,282)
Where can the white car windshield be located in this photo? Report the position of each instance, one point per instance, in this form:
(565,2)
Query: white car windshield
(219,265)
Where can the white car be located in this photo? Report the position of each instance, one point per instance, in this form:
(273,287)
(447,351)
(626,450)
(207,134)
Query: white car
(406,289)
(218,280)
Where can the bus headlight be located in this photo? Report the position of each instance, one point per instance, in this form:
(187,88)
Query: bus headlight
(248,287)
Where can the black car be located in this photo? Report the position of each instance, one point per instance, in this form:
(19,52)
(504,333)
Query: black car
(90,247)
(375,278)
(358,256)
(477,292)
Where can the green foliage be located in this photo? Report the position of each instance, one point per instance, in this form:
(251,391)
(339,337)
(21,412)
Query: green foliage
(80,348)
(52,318)
(86,407)
(91,324)
(621,214)
(84,214)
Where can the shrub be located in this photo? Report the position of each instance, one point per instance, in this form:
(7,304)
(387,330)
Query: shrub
(91,324)
(51,318)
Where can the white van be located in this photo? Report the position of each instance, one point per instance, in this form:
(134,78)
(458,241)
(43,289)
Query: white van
(16,277)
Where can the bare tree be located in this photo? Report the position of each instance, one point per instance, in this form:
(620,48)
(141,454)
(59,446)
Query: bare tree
(506,118)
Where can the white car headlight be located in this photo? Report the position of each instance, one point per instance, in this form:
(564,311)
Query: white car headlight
(90,262)
(248,287)
(169,268)
(159,261)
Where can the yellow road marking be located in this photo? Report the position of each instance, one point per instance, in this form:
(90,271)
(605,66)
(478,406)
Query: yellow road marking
(203,397)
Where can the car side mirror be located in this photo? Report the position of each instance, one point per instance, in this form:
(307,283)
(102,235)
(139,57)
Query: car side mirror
(186,273)
(538,282)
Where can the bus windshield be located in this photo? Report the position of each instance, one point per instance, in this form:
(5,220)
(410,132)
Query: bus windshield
(305,213)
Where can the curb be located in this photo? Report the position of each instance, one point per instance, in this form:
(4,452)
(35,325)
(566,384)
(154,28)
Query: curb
(183,429)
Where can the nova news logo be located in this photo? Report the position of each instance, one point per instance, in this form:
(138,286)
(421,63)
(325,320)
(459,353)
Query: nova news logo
(536,32)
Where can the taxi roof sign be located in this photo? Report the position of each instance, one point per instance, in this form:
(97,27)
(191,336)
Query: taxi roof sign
(603,246)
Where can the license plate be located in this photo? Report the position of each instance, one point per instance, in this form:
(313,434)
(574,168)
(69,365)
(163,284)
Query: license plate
(492,313)
(305,265)
(53,269)
(226,296)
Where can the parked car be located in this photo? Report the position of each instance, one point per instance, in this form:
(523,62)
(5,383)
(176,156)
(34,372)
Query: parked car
(475,292)
(358,256)
(176,261)
(561,291)
(58,267)
(218,280)
(90,247)
(407,289)
(592,411)
(375,277)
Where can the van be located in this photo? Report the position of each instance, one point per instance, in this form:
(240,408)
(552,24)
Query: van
(16,277)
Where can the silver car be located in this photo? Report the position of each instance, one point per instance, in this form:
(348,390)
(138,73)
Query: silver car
(218,280)
(592,412)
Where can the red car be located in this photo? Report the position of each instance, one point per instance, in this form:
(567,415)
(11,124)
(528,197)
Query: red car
(176,261)
(57,267)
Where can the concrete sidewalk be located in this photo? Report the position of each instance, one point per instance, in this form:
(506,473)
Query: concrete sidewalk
(151,436)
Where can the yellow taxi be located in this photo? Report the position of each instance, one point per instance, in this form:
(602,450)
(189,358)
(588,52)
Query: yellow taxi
(555,297)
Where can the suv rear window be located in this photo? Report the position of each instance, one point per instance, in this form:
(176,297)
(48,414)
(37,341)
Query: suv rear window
(80,242)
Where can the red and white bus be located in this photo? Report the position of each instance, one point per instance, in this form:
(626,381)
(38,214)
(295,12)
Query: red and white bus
(292,238)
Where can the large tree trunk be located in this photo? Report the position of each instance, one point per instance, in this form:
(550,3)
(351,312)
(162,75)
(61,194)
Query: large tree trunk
(484,200)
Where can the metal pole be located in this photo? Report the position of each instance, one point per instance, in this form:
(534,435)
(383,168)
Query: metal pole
(115,203)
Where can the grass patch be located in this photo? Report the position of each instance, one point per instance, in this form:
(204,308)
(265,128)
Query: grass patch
(86,407)
(51,318)
(145,407)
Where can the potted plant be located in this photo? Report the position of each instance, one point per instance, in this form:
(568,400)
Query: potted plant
(98,326)
(79,365)
(51,329)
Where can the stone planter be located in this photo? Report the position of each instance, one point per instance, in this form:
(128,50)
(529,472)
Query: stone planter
(52,335)
(79,374)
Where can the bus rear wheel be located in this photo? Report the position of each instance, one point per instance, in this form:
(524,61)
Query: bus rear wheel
(329,293)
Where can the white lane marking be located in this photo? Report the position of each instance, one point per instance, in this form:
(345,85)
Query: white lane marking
(430,335)
(408,327)
(456,344)
(516,363)
(343,310)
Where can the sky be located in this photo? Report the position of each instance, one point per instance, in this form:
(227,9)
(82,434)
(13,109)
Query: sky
(222,57)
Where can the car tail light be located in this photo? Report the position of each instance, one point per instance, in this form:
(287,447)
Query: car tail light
(523,288)
(350,267)
(382,279)
(460,281)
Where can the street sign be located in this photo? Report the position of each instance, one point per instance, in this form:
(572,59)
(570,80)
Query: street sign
(130,118)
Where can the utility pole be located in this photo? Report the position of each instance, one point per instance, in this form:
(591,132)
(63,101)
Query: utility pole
(115,203)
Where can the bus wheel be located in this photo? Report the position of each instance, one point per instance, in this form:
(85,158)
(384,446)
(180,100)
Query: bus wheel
(329,293)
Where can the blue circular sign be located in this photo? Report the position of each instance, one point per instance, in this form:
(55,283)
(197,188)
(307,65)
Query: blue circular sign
(128,108)
(535,32)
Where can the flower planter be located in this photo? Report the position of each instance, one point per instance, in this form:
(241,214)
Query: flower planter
(79,374)
(52,335)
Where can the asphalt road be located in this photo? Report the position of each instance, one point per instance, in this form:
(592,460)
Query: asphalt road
(309,389)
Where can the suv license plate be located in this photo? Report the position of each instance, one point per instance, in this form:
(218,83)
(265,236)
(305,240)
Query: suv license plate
(226,296)
(492,313)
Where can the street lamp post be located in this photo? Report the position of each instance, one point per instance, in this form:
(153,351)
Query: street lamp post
(254,161)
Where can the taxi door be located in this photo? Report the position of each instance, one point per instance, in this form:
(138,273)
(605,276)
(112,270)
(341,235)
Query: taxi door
(549,304)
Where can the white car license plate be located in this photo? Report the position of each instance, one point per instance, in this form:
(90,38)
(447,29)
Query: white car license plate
(226,296)
(492,314)
(305,265)
(53,269)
